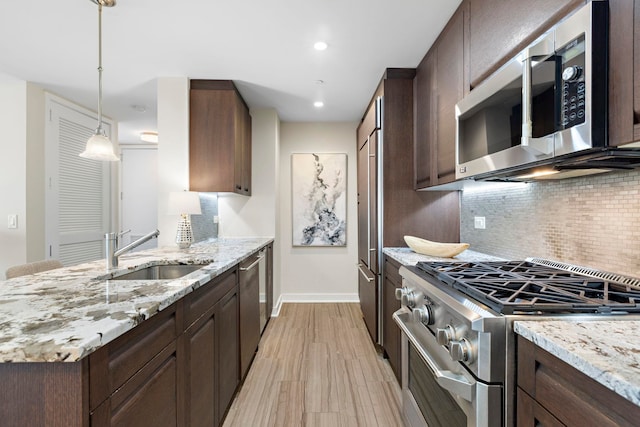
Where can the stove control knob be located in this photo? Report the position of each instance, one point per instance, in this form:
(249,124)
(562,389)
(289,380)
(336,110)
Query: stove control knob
(410,298)
(423,315)
(445,335)
(461,351)
(400,292)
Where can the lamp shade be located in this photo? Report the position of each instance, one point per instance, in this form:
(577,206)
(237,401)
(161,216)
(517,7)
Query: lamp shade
(184,202)
(99,147)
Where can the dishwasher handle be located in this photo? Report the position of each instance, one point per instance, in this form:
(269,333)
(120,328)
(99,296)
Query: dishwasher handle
(253,264)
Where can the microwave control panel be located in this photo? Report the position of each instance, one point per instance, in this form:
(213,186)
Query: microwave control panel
(573,96)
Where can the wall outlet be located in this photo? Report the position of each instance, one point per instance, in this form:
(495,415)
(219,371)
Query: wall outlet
(216,219)
(479,222)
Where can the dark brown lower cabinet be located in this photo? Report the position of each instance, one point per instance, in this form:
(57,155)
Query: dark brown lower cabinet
(390,331)
(368,294)
(553,393)
(211,351)
(150,397)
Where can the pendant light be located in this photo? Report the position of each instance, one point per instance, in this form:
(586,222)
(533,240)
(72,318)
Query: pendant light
(99,147)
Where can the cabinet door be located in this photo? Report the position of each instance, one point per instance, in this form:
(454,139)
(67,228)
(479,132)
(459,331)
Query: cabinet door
(368,295)
(249,297)
(363,204)
(373,203)
(498,29)
(219,138)
(624,72)
(390,331)
(246,150)
(228,352)
(424,90)
(149,398)
(200,372)
(450,89)
(568,394)
(532,414)
(117,362)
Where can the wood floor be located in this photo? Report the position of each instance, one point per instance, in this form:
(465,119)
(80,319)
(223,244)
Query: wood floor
(317,366)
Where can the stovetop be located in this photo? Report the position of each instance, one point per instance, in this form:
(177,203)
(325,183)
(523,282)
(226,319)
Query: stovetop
(510,287)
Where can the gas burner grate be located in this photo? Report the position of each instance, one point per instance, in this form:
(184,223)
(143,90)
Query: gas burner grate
(523,287)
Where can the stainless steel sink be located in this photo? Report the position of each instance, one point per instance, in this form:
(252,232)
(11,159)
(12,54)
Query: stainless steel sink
(160,272)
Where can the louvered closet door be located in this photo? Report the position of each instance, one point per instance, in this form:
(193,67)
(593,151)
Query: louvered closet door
(78,189)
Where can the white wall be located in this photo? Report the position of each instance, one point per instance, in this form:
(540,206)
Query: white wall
(13,171)
(315,273)
(21,172)
(173,150)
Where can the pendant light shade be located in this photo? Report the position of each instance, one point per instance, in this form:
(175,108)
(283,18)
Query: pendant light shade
(99,147)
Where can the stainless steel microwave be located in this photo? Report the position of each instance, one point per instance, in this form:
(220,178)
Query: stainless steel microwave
(548,102)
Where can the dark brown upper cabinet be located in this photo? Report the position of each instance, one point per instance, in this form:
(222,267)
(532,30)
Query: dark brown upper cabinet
(498,29)
(439,84)
(624,72)
(219,138)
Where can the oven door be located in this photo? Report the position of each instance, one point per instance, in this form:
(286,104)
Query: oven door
(437,391)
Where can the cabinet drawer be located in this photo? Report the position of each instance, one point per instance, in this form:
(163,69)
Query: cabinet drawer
(203,299)
(571,396)
(112,365)
(148,398)
(391,271)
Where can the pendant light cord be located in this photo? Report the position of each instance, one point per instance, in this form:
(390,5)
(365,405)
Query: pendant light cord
(99,130)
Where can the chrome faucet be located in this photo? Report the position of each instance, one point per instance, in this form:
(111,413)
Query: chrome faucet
(111,246)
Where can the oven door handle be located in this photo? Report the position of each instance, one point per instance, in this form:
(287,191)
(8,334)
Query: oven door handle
(450,381)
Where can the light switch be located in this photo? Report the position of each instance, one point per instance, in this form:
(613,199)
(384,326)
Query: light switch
(216,219)
(12,221)
(479,222)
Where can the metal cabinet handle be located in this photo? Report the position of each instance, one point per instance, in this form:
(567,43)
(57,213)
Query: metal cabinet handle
(253,264)
(448,380)
(367,278)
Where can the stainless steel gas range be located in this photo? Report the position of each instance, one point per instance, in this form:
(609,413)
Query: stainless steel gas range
(458,345)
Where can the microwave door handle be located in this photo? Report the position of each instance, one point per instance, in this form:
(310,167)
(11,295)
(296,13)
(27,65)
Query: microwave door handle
(526,101)
(543,48)
(454,383)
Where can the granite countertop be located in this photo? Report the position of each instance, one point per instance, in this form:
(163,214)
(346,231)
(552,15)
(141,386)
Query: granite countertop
(606,350)
(406,256)
(65,314)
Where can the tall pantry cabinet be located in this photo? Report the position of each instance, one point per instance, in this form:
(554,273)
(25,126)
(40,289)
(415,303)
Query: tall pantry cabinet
(388,206)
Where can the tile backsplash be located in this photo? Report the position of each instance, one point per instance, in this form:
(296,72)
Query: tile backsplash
(203,225)
(591,221)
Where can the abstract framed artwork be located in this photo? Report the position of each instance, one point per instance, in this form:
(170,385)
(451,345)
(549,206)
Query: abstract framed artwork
(319,199)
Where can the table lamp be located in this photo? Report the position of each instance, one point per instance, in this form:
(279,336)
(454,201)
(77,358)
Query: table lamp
(184,203)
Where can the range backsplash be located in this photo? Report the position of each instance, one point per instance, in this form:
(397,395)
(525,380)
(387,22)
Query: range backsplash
(591,221)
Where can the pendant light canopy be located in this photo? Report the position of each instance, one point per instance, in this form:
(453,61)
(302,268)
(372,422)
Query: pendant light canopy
(99,147)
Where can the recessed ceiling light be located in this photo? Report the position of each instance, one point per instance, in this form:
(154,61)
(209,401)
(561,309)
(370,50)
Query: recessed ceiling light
(318,104)
(149,137)
(320,46)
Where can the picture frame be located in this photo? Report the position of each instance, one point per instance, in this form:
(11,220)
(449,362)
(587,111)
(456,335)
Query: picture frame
(319,199)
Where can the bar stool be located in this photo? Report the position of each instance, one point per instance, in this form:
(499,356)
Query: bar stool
(32,268)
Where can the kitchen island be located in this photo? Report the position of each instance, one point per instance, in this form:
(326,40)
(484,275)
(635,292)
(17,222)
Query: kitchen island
(81,347)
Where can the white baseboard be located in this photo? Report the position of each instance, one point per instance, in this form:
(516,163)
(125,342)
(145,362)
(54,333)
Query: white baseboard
(312,298)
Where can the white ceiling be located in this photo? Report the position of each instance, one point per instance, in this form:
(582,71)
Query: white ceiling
(265,46)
